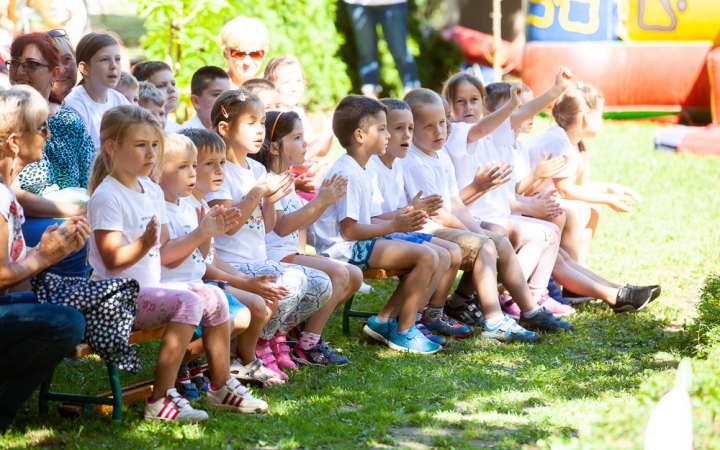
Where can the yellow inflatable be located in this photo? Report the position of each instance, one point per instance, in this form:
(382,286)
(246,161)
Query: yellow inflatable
(670,20)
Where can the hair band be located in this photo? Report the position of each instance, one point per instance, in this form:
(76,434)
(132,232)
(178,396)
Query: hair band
(272,133)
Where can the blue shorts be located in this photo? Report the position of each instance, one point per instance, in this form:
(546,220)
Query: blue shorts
(234,306)
(414,237)
(361,252)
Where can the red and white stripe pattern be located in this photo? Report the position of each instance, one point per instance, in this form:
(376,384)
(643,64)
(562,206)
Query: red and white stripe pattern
(233,398)
(170,409)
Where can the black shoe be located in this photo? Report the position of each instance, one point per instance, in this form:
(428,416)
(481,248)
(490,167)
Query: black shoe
(574,299)
(632,299)
(467,313)
(656,290)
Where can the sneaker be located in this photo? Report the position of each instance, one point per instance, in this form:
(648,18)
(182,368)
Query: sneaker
(233,396)
(509,307)
(555,293)
(554,307)
(412,341)
(448,327)
(199,379)
(428,334)
(573,298)
(545,320)
(281,351)
(173,408)
(320,355)
(632,299)
(365,288)
(508,331)
(467,313)
(184,384)
(379,331)
(655,289)
(265,353)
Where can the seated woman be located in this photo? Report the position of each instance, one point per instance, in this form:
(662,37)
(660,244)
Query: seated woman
(68,155)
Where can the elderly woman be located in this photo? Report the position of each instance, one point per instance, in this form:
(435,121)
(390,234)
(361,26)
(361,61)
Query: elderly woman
(34,338)
(245,43)
(69,151)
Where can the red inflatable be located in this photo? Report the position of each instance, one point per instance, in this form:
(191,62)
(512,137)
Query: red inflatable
(478,48)
(713,64)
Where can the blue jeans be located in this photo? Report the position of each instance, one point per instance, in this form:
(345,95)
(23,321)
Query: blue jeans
(394,22)
(74,265)
(34,338)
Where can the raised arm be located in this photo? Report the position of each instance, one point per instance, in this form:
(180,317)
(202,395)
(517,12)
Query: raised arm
(492,121)
(539,103)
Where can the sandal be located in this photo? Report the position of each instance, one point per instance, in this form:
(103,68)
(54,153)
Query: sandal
(247,374)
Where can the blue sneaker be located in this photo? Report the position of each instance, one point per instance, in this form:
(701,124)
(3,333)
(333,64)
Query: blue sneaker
(544,320)
(448,327)
(428,334)
(508,331)
(412,341)
(555,293)
(379,331)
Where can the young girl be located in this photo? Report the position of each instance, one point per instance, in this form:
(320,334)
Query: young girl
(160,75)
(239,118)
(285,147)
(98,58)
(130,239)
(286,73)
(578,114)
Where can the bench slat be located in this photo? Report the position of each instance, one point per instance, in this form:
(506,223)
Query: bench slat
(136,337)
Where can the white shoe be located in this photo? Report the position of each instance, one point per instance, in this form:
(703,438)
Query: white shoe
(235,397)
(173,408)
(365,288)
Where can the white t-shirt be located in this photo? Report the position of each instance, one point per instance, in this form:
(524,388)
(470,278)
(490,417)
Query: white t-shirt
(430,174)
(520,160)
(279,247)
(248,244)
(467,158)
(171,126)
(390,182)
(195,203)
(193,122)
(13,213)
(361,203)
(182,220)
(90,112)
(555,141)
(308,131)
(114,207)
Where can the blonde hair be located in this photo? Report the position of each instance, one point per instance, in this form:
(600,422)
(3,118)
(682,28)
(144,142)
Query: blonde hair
(176,142)
(277,63)
(127,80)
(20,108)
(117,124)
(247,26)
(149,93)
(422,97)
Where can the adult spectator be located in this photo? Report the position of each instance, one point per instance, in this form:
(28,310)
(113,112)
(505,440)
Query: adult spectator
(69,150)
(392,15)
(68,63)
(34,338)
(245,43)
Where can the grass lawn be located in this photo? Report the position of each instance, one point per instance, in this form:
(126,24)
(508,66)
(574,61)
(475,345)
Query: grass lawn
(474,393)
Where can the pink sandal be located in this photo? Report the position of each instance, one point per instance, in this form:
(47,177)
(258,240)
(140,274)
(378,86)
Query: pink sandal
(281,351)
(265,353)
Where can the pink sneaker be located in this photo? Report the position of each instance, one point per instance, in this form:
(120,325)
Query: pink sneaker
(281,351)
(555,307)
(265,353)
(509,306)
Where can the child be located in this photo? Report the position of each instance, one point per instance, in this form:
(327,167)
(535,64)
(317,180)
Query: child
(347,232)
(160,75)
(257,294)
(130,239)
(578,113)
(428,169)
(153,100)
(283,148)
(266,92)
(98,57)
(205,87)
(129,87)
(388,175)
(239,118)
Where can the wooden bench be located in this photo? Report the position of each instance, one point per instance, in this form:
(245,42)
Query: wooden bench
(84,405)
(368,274)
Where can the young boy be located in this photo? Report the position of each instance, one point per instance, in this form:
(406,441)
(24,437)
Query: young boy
(266,92)
(388,175)
(429,169)
(346,230)
(128,86)
(206,85)
(152,99)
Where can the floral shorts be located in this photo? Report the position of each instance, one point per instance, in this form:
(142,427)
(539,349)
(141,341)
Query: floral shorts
(361,252)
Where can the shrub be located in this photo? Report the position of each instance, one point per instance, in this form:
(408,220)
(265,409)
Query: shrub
(704,332)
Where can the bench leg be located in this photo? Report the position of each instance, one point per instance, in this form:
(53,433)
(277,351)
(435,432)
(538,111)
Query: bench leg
(116,389)
(43,397)
(346,317)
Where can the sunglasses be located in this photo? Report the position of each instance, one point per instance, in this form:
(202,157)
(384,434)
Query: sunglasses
(255,55)
(30,66)
(58,32)
(44,130)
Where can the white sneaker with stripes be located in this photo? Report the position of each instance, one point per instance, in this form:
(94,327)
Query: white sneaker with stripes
(173,408)
(235,397)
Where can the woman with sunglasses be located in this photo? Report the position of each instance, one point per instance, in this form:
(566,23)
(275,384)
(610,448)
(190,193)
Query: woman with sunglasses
(69,150)
(245,43)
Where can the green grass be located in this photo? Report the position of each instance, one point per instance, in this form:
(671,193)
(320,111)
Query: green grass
(571,390)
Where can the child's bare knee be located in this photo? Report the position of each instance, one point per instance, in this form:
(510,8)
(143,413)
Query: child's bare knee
(241,321)
(488,250)
(356,277)
(443,259)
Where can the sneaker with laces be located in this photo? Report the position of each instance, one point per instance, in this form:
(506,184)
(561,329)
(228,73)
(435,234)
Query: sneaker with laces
(632,299)
(265,353)
(428,334)
(173,407)
(544,320)
(554,307)
(468,313)
(379,331)
(508,331)
(281,351)
(412,341)
(320,355)
(446,326)
(233,396)
(655,289)
(509,307)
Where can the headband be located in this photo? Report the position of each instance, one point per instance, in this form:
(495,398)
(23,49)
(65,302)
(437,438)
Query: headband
(272,133)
